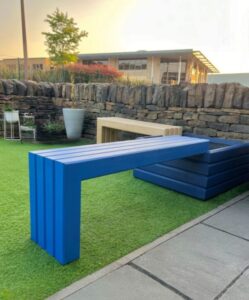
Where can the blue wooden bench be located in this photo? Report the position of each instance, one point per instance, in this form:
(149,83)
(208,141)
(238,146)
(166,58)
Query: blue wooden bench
(204,176)
(55,183)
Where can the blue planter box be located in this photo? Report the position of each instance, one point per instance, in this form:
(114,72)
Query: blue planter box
(223,167)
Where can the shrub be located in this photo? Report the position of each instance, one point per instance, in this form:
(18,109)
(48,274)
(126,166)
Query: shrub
(53,127)
(95,72)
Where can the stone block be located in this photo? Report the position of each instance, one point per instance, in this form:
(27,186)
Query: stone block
(208,118)
(143,95)
(21,88)
(178,116)
(109,106)
(132,95)
(158,96)
(181,122)
(190,116)
(197,123)
(246,99)
(240,128)
(244,119)
(1,88)
(219,96)
(199,94)
(152,116)
(229,94)
(229,119)
(209,99)
(125,95)
(166,89)
(32,88)
(219,126)
(238,96)
(149,94)
(152,107)
(9,87)
(184,97)
(205,131)
(191,102)
(112,93)
(119,94)
(101,93)
(175,94)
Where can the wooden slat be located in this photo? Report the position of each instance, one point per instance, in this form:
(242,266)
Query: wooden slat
(104,125)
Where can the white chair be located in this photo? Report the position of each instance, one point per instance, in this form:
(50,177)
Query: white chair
(28,125)
(12,120)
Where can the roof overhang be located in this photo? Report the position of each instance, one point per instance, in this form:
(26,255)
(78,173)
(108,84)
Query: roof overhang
(201,57)
(172,54)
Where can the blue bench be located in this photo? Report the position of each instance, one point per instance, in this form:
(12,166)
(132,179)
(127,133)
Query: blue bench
(222,167)
(55,183)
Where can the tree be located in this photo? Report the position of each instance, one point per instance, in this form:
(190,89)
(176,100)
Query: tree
(63,40)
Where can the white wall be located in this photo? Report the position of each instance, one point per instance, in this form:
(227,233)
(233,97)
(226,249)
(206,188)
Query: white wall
(242,78)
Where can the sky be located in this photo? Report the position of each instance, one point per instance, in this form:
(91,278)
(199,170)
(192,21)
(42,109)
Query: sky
(218,28)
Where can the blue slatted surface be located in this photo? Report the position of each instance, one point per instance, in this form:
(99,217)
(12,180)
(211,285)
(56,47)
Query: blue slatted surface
(224,166)
(55,183)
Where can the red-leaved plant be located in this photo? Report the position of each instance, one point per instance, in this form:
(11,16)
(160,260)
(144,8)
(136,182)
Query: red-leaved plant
(93,72)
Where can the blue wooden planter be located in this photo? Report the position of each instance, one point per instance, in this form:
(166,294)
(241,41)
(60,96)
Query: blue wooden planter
(223,167)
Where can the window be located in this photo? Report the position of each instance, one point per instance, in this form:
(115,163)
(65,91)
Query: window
(95,62)
(132,64)
(37,66)
(170,70)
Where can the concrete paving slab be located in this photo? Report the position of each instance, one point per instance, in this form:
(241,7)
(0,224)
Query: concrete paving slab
(234,219)
(200,262)
(125,283)
(240,289)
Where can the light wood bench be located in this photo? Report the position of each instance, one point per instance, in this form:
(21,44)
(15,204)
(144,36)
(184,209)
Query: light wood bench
(107,128)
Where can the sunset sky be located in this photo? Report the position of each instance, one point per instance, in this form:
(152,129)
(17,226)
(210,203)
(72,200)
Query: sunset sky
(218,28)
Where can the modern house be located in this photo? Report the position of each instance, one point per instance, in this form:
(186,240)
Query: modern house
(34,63)
(242,78)
(162,66)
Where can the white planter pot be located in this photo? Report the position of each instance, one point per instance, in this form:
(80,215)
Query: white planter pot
(73,119)
(11,116)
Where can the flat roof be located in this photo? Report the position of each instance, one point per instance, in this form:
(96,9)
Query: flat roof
(174,54)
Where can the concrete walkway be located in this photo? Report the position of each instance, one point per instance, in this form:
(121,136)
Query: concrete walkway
(207,258)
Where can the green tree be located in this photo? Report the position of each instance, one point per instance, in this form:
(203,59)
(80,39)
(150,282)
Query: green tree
(63,40)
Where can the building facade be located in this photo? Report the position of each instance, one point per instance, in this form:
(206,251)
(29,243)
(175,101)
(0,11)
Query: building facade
(164,66)
(17,64)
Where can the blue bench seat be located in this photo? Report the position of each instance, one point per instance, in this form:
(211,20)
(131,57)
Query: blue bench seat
(222,167)
(55,183)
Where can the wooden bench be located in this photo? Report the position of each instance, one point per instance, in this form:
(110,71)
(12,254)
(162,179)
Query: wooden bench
(55,183)
(107,128)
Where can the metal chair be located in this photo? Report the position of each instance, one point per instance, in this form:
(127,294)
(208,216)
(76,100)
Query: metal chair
(12,120)
(28,125)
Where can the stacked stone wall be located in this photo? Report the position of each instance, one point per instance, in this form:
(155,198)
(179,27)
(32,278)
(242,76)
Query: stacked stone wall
(218,110)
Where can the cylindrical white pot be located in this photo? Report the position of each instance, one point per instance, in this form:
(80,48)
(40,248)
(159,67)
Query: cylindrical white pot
(11,116)
(73,118)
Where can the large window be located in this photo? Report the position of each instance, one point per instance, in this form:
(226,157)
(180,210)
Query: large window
(95,62)
(169,71)
(132,64)
(37,66)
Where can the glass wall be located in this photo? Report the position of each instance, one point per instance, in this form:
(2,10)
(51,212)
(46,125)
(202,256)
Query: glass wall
(95,62)
(132,64)
(169,71)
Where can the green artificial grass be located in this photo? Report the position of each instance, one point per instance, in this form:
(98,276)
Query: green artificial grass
(119,214)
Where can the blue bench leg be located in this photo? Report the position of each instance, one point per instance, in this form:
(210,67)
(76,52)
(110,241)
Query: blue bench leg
(55,198)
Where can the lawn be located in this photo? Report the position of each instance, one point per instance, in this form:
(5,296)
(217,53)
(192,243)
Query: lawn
(119,214)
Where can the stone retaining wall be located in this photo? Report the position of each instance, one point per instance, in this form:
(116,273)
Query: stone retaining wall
(215,110)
